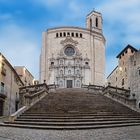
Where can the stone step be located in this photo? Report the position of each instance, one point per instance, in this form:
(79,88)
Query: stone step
(74,123)
(75,116)
(79,114)
(69,127)
(76,120)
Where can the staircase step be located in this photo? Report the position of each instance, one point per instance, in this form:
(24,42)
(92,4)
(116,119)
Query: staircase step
(70,127)
(76,109)
(76,120)
(74,117)
(75,123)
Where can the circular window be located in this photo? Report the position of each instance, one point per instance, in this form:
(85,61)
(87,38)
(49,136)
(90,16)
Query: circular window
(69,50)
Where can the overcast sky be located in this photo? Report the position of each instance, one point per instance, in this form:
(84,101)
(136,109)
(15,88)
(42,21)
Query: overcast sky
(22,23)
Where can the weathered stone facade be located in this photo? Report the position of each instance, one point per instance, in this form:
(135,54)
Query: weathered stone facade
(127,73)
(9,87)
(24,74)
(135,76)
(72,56)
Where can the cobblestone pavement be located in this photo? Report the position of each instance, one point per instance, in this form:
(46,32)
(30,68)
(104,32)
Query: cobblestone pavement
(122,133)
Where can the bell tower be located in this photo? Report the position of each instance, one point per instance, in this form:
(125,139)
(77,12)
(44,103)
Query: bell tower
(94,21)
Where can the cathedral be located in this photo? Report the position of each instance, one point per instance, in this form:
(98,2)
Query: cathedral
(74,56)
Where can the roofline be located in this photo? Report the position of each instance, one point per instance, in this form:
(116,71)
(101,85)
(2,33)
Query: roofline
(26,69)
(7,62)
(112,71)
(75,27)
(60,27)
(92,12)
(128,46)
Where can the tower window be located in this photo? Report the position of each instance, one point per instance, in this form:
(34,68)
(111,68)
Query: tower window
(96,22)
(80,35)
(90,23)
(56,34)
(76,34)
(64,34)
(72,34)
(86,63)
(68,34)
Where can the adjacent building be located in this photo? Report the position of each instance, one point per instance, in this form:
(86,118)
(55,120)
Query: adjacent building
(26,76)
(127,73)
(9,87)
(72,56)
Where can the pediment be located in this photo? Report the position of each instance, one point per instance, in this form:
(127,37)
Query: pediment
(69,40)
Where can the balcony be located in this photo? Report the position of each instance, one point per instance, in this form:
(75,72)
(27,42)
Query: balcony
(3,71)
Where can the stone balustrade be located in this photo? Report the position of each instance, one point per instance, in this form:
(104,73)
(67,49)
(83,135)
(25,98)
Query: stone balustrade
(120,95)
(93,88)
(30,94)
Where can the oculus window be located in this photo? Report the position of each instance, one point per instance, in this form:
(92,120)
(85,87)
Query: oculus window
(69,50)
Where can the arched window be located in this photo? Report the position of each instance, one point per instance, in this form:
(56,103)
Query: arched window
(68,34)
(72,34)
(56,34)
(69,72)
(64,34)
(96,22)
(90,23)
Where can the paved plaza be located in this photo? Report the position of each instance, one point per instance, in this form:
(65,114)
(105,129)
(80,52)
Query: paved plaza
(121,133)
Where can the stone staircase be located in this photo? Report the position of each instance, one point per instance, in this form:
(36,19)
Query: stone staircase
(76,109)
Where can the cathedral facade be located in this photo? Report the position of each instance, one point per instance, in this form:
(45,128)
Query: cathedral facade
(74,56)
